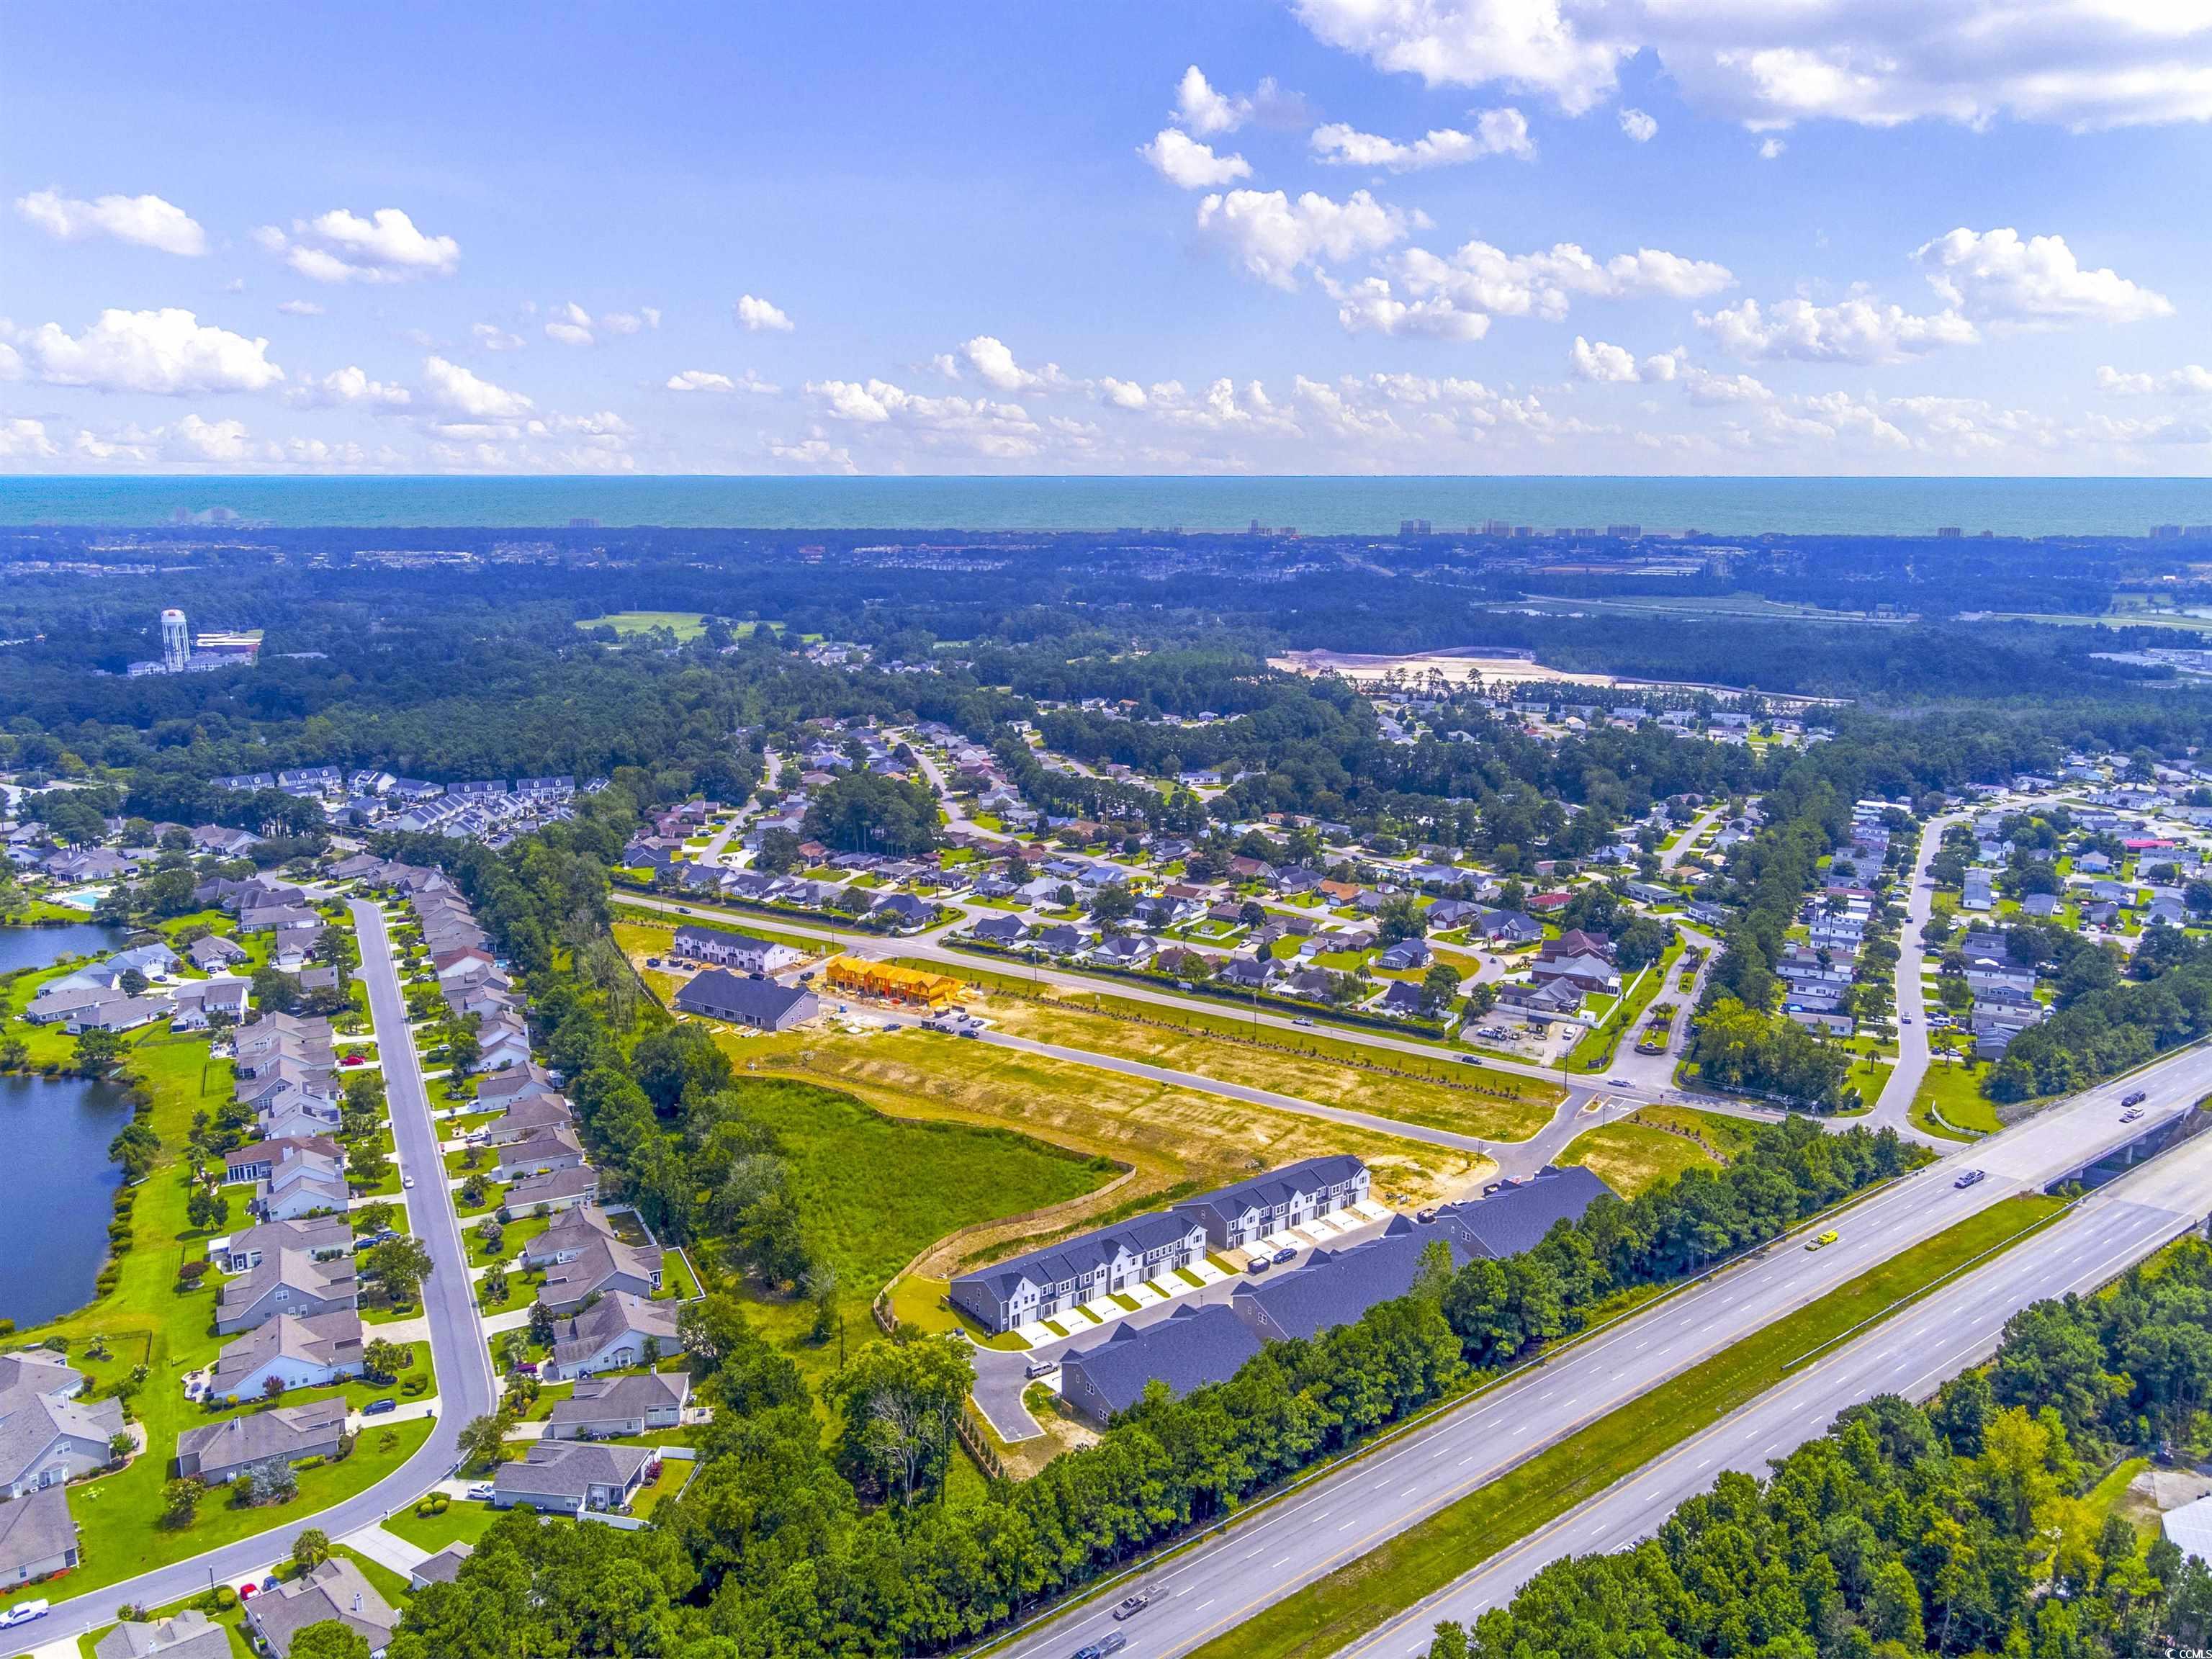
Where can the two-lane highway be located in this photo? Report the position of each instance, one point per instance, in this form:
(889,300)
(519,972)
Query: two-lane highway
(466,1384)
(1254,1563)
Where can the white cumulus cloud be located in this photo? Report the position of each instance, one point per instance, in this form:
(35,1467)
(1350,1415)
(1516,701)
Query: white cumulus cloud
(2192,380)
(492,337)
(1183,160)
(1444,295)
(570,326)
(1638,127)
(169,351)
(1203,110)
(1274,238)
(2001,277)
(457,390)
(299,308)
(2079,63)
(342,246)
(706,380)
(1853,330)
(756,314)
(1497,132)
(22,439)
(351,385)
(994,361)
(146,220)
(1596,360)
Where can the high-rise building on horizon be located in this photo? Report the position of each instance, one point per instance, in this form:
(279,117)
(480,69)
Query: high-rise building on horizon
(176,640)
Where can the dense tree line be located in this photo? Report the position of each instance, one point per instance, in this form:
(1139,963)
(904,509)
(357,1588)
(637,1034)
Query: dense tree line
(1957,1529)
(2105,1024)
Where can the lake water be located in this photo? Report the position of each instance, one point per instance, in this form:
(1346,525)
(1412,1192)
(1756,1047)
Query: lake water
(53,1225)
(53,1228)
(34,947)
(1335,506)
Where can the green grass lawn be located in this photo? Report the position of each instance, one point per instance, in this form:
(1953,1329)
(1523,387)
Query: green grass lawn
(878,1190)
(116,1517)
(684,624)
(465,1522)
(1656,1144)
(1949,1103)
(1357,1598)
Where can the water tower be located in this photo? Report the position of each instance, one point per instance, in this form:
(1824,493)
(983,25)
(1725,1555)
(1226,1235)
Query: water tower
(176,642)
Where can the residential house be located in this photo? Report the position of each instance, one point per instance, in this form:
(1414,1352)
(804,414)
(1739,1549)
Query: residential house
(38,1538)
(257,1160)
(553,1149)
(311,1353)
(335,1591)
(599,1267)
(553,1192)
(322,1237)
(221,1452)
(761,1004)
(187,1635)
(528,1116)
(443,1568)
(726,948)
(603,1407)
(568,1477)
(1405,956)
(49,1435)
(214,952)
(303,1181)
(288,1281)
(616,1332)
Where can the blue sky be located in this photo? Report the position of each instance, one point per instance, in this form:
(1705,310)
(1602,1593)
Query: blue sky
(1319,236)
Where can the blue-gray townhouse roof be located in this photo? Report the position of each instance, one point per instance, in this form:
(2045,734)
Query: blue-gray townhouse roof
(1071,1258)
(1191,1347)
(1264,1192)
(1335,1287)
(1517,1219)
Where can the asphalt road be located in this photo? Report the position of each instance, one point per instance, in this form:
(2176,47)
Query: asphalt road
(457,1344)
(1348,1513)
(1507,1154)
(1893,1110)
(1956,1326)
(926,946)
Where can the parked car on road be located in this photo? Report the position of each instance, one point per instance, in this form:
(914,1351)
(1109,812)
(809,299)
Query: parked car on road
(22,1614)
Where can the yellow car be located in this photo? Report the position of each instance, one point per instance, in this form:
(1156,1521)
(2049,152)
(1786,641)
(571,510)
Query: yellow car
(1828,1237)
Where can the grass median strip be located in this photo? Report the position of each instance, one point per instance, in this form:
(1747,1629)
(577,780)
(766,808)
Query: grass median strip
(1363,1594)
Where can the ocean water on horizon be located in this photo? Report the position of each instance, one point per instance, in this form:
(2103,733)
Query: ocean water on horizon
(1882,507)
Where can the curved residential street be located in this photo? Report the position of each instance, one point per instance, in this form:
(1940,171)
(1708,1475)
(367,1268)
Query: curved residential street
(465,1383)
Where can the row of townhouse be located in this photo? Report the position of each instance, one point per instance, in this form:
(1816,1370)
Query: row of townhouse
(1060,1278)
(1201,1344)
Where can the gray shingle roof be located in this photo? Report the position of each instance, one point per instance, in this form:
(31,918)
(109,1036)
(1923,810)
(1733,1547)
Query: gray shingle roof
(36,1410)
(34,1529)
(1191,1347)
